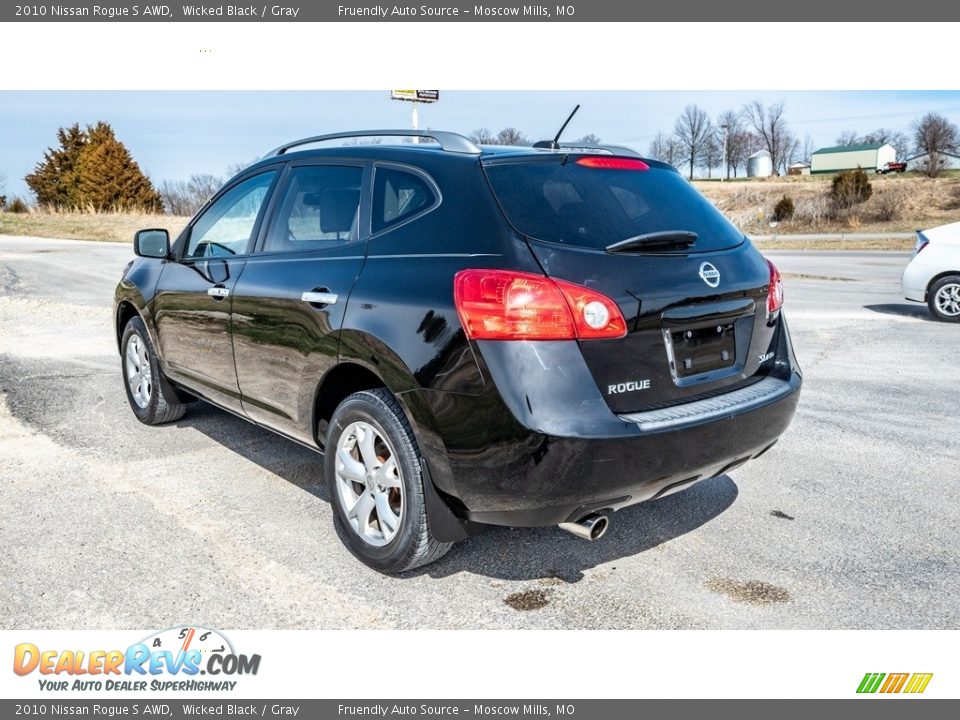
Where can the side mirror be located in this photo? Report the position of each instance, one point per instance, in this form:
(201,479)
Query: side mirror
(152,243)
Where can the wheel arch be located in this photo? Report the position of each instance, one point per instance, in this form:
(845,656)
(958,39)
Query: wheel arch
(353,375)
(126,311)
(940,276)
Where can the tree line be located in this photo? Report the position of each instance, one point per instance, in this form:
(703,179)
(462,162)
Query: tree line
(91,169)
(697,141)
(512,136)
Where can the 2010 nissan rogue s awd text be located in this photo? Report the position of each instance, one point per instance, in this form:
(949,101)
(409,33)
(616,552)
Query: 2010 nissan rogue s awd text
(471,335)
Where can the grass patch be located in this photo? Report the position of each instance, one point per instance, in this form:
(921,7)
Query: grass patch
(899,203)
(107,227)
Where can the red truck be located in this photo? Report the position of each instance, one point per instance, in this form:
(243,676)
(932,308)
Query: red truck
(891,167)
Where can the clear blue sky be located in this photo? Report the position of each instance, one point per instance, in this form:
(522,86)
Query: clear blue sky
(175,134)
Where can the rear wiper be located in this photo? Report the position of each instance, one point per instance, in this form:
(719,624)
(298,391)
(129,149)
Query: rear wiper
(663,238)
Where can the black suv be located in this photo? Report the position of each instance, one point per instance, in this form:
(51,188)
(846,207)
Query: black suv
(497,335)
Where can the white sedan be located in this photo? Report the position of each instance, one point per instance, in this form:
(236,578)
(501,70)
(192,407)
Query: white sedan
(933,275)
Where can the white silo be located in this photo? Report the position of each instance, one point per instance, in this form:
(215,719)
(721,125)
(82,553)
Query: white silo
(759,164)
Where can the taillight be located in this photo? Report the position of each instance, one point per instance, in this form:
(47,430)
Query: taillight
(507,305)
(612,163)
(775,291)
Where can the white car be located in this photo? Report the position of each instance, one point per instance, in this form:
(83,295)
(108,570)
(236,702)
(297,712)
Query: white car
(933,275)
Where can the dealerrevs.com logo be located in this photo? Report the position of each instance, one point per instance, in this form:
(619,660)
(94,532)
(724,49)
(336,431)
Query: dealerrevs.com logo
(173,659)
(892,683)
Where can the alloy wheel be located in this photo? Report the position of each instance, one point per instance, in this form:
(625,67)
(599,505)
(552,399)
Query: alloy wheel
(947,299)
(139,374)
(369,483)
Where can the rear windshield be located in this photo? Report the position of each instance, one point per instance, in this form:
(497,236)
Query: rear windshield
(563,202)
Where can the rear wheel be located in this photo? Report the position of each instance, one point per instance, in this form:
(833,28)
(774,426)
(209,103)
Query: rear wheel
(141,375)
(943,299)
(373,469)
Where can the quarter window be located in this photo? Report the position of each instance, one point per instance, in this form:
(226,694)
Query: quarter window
(226,226)
(319,209)
(398,195)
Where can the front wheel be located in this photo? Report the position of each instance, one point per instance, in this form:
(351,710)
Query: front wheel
(150,402)
(373,469)
(944,299)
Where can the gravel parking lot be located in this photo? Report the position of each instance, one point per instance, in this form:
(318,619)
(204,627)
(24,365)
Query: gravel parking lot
(852,521)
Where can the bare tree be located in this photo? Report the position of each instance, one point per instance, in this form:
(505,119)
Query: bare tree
(3,186)
(511,136)
(741,143)
(664,148)
(483,136)
(899,140)
(589,140)
(238,167)
(184,198)
(792,153)
(806,153)
(771,128)
(935,135)
(692,129)
(849,137)
(729,126)
(658,147)
(712,154)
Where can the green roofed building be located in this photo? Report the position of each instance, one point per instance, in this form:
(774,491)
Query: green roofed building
(868,156)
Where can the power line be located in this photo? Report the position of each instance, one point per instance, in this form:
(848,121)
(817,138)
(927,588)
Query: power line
(880,116)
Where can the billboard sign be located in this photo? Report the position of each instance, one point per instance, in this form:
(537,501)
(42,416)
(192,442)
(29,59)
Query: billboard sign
(426,96)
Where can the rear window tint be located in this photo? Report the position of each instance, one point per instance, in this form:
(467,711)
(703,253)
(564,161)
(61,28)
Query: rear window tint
(563,202)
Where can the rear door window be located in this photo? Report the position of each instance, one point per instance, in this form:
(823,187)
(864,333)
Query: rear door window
(399,195)
(556,200)
(318,209)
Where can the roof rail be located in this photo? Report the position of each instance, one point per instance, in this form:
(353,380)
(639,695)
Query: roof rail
(449,141)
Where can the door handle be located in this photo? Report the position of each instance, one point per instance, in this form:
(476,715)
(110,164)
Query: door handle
(218,292)
(319,298)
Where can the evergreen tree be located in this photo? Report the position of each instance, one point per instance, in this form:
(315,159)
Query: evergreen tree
(54,181)
(92,168)
(109,178)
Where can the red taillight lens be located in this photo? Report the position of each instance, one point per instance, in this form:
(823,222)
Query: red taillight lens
(596,316)
(507,305)
(612,163)
(775,291)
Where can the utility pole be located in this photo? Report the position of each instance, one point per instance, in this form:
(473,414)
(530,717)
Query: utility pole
(726,169)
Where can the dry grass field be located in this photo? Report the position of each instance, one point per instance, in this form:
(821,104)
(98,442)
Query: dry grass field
(900,203)
(110,227)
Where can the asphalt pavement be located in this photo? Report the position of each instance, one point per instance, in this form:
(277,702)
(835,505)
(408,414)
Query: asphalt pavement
(851,521)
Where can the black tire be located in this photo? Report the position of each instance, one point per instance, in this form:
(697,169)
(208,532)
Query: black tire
(161,406)
(949,282)
(413,544)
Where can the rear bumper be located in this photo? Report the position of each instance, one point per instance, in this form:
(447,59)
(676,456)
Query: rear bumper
(540,446)
(567,478)
(916,278)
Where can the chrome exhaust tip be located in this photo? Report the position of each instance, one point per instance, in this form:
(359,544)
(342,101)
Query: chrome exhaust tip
(590,528)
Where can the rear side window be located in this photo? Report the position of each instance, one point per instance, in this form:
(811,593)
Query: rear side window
(397,196)
(318,209)
(562,202)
